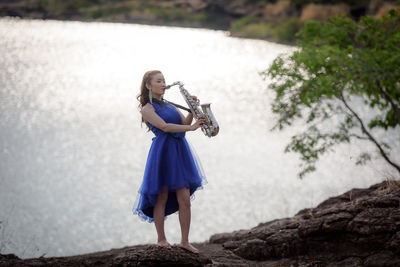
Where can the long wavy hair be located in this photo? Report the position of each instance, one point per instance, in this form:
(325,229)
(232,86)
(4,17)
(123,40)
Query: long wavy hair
(143,96)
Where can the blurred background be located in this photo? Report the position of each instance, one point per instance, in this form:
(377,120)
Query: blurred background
(72,147)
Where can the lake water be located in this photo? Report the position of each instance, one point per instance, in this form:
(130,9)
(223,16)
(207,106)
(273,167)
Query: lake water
(72,149)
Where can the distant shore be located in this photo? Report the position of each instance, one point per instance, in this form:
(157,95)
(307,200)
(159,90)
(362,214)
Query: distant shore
(276,21)
(358,228)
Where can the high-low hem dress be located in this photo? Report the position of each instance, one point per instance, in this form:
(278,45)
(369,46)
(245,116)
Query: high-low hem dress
(171,164)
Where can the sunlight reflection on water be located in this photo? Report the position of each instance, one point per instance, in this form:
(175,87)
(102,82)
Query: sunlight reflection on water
(72,151)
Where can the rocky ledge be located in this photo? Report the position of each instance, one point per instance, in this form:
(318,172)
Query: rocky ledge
(358,228)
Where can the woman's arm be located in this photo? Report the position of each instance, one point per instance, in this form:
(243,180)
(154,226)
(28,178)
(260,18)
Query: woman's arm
(186,120)
(189,118)
(151,116)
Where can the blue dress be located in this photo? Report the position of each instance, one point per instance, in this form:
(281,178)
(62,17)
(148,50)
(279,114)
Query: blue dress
(171,164)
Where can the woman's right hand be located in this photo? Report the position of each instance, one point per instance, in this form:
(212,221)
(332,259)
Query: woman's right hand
(197,124)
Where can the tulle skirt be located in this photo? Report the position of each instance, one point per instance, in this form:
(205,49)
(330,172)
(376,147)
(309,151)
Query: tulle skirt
(171,164)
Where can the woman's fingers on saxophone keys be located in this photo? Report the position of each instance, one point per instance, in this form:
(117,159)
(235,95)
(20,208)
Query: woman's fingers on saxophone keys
(195,98)
(195,125)
(202,121)
(198,123)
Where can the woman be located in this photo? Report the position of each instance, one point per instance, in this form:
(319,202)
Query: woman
(172,173)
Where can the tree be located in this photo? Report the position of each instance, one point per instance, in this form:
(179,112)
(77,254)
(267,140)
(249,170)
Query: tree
(336,63)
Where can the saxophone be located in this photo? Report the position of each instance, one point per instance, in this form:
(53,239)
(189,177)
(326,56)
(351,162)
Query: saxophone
(210,127)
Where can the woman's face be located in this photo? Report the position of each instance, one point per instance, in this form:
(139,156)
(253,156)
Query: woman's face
(157,84)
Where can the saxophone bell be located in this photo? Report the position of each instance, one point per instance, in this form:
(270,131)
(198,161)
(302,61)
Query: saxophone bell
(210,127)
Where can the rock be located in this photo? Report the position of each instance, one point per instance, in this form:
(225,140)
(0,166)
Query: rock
(237,8)
(254,249)
(384,258)
(222,238)
(6,257)
(143,255)
(394,244)
(323,12)
(358,225)
(373,6)
(197,5)
(232,244)
(385,8)
(280,9)
(358,228)
(191,5)
(348,262)
(375,221)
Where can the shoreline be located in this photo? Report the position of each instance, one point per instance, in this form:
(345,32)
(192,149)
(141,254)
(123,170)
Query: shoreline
(228,33)
(358,228)
(276,22)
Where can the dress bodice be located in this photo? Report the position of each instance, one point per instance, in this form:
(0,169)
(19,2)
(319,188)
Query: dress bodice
(169,114)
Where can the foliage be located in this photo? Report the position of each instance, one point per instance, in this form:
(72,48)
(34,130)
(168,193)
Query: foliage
(283,32)
(257,30)
(57,7)
(300,3)
(249,26)
(240,24)
(176,15)
(337,62)
(112,9)
(108,10)
(286,31)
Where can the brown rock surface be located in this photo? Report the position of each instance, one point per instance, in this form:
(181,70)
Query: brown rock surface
(323,12)
(358,228)
(385,8)
(280,9)
(238,8)
(362,225)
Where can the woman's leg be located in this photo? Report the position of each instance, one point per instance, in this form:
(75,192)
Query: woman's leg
(158,214)
(183,196)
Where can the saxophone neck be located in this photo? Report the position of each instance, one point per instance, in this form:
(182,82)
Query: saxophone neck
(173,84)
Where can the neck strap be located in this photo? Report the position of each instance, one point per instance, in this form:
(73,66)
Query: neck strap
(178,106)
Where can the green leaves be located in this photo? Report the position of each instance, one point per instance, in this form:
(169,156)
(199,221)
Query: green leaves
(338,61)
(363,158)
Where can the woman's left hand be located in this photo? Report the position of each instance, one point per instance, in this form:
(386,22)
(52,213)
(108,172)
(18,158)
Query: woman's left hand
(195,98)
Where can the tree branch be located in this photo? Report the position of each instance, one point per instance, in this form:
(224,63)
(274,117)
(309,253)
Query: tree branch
(359,137)
(395,108)
(364,130)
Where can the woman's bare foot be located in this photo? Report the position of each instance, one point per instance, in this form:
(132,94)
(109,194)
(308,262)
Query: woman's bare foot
(189,247)
(163,243)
